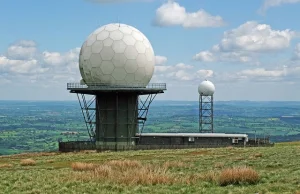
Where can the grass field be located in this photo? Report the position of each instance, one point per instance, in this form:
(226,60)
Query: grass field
(273,169)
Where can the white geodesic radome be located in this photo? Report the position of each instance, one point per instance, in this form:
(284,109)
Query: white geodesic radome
(206,88)
(117,54)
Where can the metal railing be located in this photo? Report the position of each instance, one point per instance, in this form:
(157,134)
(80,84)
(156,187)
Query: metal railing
(101,86)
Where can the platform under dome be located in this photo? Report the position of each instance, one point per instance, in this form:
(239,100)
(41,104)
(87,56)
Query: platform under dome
(117,54)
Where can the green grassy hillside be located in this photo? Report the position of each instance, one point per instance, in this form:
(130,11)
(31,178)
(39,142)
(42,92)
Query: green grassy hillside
(159,171)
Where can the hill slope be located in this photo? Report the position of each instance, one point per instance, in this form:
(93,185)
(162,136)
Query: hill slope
(160,171)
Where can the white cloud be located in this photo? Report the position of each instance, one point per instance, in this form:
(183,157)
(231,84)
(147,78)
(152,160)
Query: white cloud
(24,63)
(273,3)
(22,50)
(296,52)
(248,40)
(57,59)
(285,74)
(171,13)
(261,72)
(180,73)
(160,60)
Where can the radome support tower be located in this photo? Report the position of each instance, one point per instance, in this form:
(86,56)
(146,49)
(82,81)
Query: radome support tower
(116,64)
(206,91)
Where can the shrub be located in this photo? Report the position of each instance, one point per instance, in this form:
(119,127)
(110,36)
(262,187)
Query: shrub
(28,162)
(238,175)
(258,155)
(124,164)
(6,165)
(81,166)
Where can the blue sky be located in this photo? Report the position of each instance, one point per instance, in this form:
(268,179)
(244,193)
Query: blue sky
(249,48)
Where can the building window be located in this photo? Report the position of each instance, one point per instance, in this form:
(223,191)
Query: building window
(191,139)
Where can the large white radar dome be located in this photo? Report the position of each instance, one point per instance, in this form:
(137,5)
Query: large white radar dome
(117,54)
(206,88)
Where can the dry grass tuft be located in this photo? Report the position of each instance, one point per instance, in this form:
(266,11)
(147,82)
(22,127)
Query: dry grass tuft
(173,164)
(238,175)
(201,152)
(297,192)
(219,165)
(81,166)
(129,172)
(6,165)
(28,162)
(258,155)
(124,164)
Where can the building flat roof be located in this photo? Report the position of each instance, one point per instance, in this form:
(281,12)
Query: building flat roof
(193,135)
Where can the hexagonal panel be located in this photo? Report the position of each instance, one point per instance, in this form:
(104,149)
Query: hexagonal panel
(140,47)
(121,83)
(116,35)
(107,79)
(150,68)
(87,65)
(131,52)
(146,80)
(97,46)
(102,35)
(119,73)
(107,53)
(95,60)
(80,63)
(138,36)
(91,39)
(129,40)
(94,72)
(141,60)
(146,43)
(125,30)
(131,66)
(119,60)
(87,52)
(111,27)
(107,42)
(119,46)
(149,54)
(107,67)
(140,74)
(129,78)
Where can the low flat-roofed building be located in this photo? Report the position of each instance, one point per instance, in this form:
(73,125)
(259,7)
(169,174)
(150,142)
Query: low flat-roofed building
(205,139)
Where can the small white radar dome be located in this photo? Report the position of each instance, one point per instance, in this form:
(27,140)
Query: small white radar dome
(117,54)
(206,88)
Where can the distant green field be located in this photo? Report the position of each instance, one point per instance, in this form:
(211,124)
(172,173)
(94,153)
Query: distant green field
(38,126)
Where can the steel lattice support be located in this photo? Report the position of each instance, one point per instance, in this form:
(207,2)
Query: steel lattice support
(89,113)
(206,114)
(143,110)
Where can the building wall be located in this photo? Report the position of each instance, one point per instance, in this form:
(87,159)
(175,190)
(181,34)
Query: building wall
(158,140)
